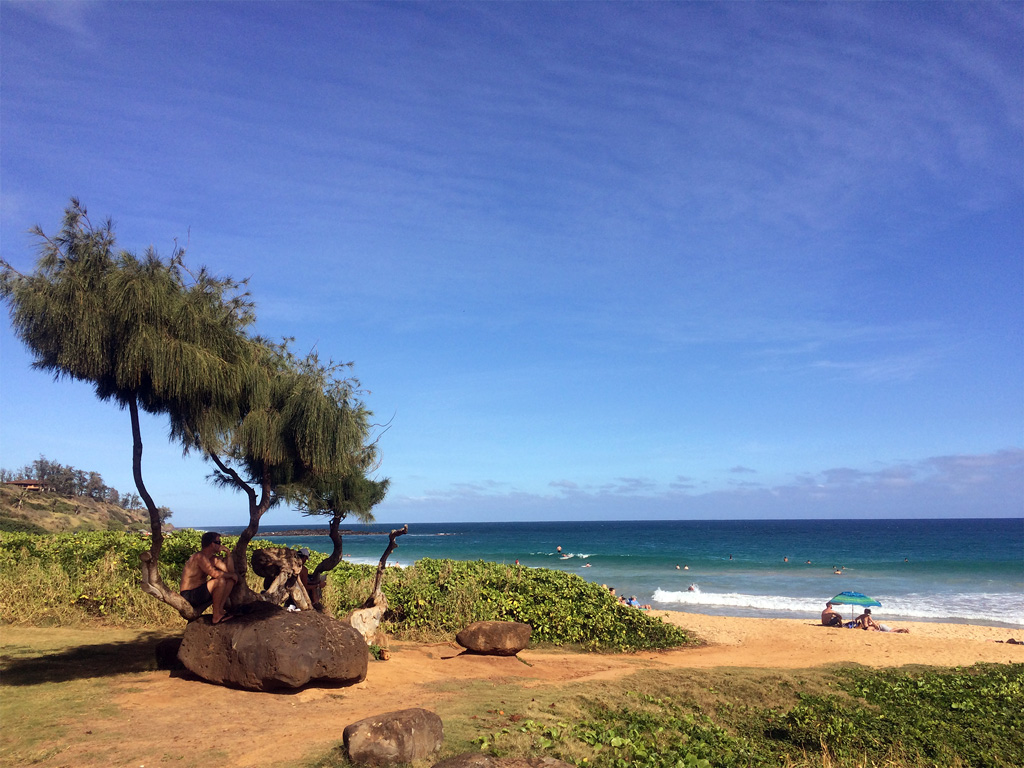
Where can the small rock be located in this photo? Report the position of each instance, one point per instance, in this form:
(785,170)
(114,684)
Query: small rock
(495,638)
(394,737)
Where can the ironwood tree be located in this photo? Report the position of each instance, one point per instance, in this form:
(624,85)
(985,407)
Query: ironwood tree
(298,426)
(146,333)
(150,335)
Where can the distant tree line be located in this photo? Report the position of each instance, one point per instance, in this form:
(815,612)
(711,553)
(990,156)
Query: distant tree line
(68,481)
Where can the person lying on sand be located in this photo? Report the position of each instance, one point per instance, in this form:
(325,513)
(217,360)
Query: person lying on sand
(207,578)
(830,617)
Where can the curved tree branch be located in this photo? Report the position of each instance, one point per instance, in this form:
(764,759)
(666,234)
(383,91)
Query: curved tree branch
(377,595)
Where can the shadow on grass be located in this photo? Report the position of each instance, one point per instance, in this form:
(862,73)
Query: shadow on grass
(81,662)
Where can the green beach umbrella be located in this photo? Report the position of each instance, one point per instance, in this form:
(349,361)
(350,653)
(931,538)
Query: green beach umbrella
(854,598)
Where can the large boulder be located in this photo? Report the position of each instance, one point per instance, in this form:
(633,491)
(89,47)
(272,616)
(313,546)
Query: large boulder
(394,737)
(266,648)
(495,638)
(480,760)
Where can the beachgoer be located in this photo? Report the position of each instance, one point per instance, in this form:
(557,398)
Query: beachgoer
(207,578)
(830,616)
(785,559)
(886,628)
(864,621)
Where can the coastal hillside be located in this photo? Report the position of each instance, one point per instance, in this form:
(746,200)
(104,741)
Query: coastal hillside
(44,512)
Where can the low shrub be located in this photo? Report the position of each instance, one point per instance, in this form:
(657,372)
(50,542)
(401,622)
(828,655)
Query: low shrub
(96,573)
(443,596)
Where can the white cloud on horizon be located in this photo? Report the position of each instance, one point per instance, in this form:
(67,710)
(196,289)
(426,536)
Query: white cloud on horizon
(983,485)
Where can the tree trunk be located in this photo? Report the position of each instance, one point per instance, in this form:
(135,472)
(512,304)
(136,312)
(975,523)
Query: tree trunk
(377,596)
(282,567)
(152,584)
(154,514)
(336,555)
(366,620)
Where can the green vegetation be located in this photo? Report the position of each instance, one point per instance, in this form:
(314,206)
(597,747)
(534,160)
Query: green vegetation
(150,334)
(67,578)
(658,718)
(959,717)
(443,596)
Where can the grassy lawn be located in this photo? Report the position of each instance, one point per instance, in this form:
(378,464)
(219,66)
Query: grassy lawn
(54,679)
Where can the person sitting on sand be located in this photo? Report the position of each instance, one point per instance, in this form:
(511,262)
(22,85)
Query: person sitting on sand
(207,578)
(830,617)
(864,621)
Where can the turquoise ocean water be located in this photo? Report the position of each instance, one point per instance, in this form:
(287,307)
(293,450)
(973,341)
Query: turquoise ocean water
(969,571)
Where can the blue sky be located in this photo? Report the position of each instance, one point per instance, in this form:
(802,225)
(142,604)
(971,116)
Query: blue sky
(591,260)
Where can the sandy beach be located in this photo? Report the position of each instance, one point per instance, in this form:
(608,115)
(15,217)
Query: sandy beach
(797,643)
(163,713)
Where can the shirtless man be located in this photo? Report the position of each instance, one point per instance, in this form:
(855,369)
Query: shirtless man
(830,617)
(864,621)
(205,565)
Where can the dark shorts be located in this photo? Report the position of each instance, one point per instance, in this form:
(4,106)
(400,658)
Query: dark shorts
(197,597)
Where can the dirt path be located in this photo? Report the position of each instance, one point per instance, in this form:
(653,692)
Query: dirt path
(168,720)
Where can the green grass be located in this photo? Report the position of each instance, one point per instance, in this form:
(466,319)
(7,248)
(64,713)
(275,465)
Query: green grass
(52,683)
(731,718)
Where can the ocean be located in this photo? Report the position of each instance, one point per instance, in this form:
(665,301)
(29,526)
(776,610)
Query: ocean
(961,571)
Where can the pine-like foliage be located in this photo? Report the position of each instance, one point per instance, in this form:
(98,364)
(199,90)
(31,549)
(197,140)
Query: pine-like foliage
(138,329)
(151,335)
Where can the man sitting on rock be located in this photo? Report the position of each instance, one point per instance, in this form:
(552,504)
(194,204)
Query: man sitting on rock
(207,578)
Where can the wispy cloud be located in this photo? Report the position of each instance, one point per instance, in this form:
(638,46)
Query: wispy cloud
(983,485)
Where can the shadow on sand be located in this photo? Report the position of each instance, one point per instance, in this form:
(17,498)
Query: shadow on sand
(25,666)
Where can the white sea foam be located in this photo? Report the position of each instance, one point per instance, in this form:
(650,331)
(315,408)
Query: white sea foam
(995,607)
(370,561)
